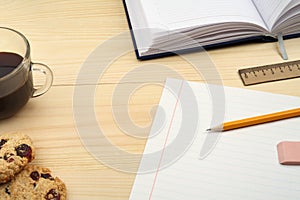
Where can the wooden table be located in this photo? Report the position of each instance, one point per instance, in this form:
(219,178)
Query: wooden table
(63,34)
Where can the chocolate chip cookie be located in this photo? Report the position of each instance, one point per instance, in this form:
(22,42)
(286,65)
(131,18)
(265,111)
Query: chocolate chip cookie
(16,151)
(36,183)
(5,192)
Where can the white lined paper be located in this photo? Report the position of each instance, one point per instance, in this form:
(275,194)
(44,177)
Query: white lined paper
(243,165)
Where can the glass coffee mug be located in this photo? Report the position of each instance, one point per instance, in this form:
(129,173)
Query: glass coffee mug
(16,81)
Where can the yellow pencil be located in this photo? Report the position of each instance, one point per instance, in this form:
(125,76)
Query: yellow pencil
(256,120)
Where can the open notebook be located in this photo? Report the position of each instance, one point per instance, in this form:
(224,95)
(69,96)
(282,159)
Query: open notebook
(242,164)
(164,26)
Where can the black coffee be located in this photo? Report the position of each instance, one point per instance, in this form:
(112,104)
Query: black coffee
(12,102)
(8,62)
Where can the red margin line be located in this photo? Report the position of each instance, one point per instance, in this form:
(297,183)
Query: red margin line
(169,129)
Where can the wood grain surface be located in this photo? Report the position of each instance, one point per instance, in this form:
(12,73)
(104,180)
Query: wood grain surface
(63,34)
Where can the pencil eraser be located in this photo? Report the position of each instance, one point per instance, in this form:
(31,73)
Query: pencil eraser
(289,153)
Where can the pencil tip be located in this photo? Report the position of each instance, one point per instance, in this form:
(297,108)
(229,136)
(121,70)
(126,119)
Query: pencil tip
(215,129)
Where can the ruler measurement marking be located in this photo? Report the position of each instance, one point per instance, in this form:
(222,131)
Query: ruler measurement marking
(269,73)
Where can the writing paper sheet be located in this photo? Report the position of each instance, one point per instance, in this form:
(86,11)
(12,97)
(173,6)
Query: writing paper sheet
(242,165)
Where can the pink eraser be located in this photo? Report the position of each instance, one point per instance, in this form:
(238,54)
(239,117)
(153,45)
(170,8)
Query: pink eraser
(289,153)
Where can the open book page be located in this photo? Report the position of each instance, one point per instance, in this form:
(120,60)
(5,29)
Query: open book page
(289,20)
(242,165)
(270,10)
(174,25)
(173,15)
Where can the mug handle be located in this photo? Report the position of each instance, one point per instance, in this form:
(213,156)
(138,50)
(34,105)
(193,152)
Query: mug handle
(42,68)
